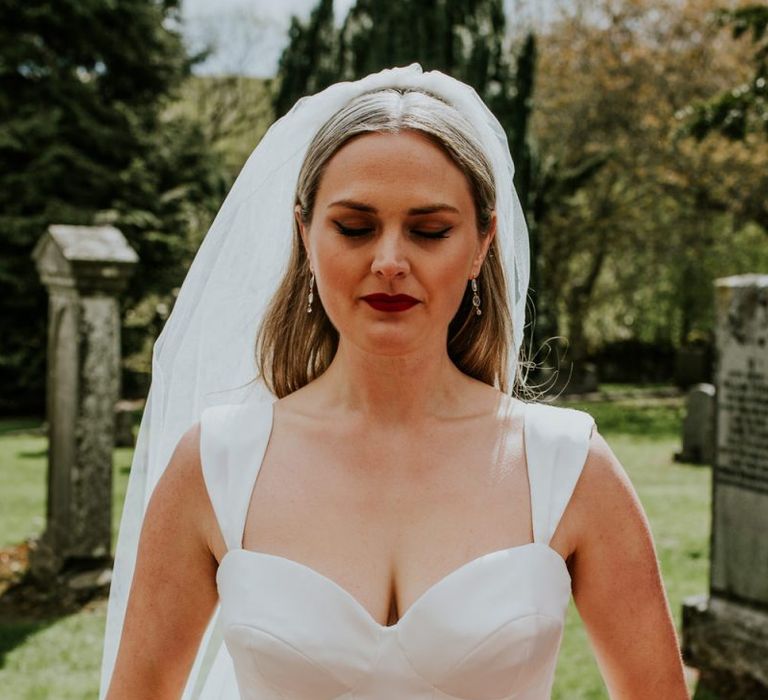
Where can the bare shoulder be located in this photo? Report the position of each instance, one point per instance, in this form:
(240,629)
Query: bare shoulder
(185,467)
(604,488)
(606,516)
(180,496)
(186,455)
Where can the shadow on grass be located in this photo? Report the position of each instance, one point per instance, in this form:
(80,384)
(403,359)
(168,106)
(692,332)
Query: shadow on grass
(29,605)
(725,686)
(39,454)
(14,633)
(20,425)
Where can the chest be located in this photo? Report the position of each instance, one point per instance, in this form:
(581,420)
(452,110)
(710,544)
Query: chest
(386,516)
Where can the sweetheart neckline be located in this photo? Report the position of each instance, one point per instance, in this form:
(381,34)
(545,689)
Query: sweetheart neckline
(252,553)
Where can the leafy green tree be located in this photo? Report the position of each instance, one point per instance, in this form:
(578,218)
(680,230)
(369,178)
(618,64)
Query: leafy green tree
(743,108)
(631,255)
(739,113)
(83,89)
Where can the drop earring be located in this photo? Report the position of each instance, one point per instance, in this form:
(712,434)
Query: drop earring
(475,297)
(310,296)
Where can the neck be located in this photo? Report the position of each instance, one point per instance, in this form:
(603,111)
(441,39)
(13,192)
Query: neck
(395,389)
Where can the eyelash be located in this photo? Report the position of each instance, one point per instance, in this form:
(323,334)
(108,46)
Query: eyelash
(359,232)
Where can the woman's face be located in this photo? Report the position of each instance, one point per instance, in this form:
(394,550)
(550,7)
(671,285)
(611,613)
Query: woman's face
(393,217)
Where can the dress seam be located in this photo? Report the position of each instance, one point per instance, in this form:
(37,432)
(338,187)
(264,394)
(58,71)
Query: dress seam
(294,648)
(472,650)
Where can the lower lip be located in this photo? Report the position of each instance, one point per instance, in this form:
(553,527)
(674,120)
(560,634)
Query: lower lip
(390,305)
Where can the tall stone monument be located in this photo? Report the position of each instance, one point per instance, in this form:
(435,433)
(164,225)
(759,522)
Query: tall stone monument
(84,269)
(725,634)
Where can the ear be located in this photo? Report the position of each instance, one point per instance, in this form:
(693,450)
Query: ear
(484,246)
(302,231)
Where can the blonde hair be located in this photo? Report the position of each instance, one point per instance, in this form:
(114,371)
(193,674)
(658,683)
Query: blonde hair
(294,347)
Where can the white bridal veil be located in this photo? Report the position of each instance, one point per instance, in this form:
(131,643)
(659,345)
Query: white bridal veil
(205,353)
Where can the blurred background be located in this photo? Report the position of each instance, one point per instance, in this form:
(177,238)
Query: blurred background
(639,130)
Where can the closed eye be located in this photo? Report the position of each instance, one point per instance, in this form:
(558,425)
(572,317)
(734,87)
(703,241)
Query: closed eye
(442,233)
(352,232)
(356,232)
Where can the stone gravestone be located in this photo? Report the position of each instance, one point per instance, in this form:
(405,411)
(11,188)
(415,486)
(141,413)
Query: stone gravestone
(699,426)
(84,269)
(725,635)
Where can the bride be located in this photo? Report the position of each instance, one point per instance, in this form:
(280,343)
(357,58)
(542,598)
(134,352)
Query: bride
(381,515)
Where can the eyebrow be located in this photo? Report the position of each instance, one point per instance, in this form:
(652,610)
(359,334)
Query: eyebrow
(415,211)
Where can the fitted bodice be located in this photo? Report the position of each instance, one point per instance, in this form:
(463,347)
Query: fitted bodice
(489,630)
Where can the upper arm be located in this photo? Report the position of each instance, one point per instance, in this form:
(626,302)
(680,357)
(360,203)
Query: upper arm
(173,592)
(617,584)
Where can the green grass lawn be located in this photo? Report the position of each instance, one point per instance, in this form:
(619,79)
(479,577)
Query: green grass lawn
(60,658)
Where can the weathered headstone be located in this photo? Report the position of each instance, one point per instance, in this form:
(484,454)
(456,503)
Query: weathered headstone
(84,269)
(725,635)
(699,426)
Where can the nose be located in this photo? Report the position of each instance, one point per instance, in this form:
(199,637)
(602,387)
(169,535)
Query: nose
(389,257)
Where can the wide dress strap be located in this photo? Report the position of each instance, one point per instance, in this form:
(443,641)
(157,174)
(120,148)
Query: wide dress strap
(556,446)
(233,440)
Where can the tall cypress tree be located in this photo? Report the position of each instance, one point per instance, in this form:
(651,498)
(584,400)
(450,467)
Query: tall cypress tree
(308,63)
(465,38)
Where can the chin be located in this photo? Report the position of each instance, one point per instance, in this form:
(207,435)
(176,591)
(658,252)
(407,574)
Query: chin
(388,337)
(387,341)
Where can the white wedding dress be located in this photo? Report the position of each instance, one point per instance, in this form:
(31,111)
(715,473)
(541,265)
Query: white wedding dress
(489,630)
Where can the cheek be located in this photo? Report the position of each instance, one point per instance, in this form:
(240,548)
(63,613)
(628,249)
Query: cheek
(336,269)
(451,286)
(451,273)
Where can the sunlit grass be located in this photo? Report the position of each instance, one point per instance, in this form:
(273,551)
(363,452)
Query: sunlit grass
(45,659)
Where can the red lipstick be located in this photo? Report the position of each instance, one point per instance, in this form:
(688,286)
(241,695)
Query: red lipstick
(387,302)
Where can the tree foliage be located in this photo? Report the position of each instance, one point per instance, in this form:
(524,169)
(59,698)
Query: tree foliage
(83,88)
(741,109)
(633,253)
(232,112)
(465,38)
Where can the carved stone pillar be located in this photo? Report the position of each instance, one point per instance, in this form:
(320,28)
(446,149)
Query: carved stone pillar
(84,269)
